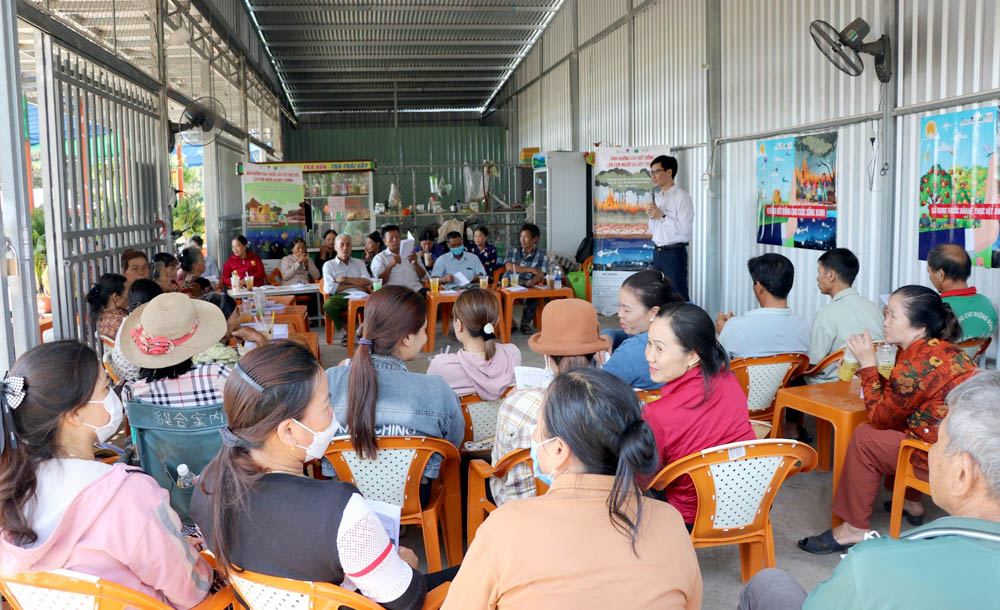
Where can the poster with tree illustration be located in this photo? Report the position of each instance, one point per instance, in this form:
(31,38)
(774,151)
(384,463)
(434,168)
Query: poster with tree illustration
(797,191)
(960,184)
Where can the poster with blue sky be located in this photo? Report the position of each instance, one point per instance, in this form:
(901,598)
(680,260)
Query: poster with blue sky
(959,184)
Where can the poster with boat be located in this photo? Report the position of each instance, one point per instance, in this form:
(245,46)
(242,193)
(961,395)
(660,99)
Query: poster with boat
(273,210)
(623,187)
(960,184)
(797,191)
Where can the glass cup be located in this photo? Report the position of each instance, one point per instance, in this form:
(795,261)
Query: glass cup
(483,282)
(515,280)
(435,285)
(848,366)
(550,281)
(428,260)
(885,359)
(504,282)
(249,282)
(376,284)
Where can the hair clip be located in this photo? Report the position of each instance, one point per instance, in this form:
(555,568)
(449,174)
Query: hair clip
(364,341)
(246,377)
(13,390)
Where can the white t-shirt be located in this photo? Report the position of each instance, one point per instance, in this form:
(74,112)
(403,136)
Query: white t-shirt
(402,274)
(765,331)
(60,481)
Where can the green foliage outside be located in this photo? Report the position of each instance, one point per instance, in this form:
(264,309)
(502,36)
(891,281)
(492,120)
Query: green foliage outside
(189,212)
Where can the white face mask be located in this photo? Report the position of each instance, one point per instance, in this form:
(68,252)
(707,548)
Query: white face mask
(321,440)
(113,405)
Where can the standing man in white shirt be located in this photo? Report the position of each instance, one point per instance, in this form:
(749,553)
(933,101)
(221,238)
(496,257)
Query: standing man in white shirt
(671,219)
(392,269)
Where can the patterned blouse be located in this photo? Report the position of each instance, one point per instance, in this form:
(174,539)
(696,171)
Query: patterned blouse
(912,399)
(109,321)
(487,257)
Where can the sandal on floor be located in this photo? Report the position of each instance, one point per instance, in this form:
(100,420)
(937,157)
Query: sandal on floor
(914,520)
(823,544)
(343,341)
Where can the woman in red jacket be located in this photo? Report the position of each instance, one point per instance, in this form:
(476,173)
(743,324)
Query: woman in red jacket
(244,263)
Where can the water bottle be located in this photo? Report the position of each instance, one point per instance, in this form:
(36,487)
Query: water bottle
(185,478)
(558,277)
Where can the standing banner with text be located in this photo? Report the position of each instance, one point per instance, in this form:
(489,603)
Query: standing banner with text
(273,215)
(797,191)
(623,187)
(960,184)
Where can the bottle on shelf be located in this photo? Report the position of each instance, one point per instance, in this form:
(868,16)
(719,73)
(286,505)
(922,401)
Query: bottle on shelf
(185,478)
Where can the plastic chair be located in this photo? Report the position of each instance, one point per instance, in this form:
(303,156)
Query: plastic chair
(736,485)
(262,592)
(106,361)
(823,364)
(498,274)
(165,437)
(976,347)
(480,472)
(274,278)
(327,322)
(480,416)
(906,477)
(588,266)
(394,477)
(761,378)
(648,396)
(70,590)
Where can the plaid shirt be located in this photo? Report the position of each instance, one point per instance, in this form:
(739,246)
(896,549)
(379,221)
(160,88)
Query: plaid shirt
(536,259)
(913,399)
(200,387)
(514,424)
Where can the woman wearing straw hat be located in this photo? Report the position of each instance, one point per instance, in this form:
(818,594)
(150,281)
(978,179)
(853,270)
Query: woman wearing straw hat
(570,338)
(162,337)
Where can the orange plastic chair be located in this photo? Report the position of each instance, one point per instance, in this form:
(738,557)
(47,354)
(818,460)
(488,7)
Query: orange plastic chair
(588,267)
(480,416)
(327,322)
(394,477)
(976,347)
(274,278)
(823,364)
(736,485)
(480,472)
(266,592)
(497,274)
(906,477)
(70,589)
(648,396)
(761,378)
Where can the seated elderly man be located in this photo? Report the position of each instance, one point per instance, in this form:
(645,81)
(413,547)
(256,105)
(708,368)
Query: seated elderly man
(772,328)
(950,563)
(949,268)
(456,261)
(340,273)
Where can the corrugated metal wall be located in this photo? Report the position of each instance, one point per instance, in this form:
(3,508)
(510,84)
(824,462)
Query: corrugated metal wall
(595,15)
(529,113)
(604,90)
(558,40)
(557,120)
(403,146)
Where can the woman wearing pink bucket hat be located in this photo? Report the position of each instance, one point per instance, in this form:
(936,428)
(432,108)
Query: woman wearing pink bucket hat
(570,338)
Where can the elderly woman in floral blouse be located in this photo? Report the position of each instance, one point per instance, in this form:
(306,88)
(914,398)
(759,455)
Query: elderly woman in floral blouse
(909,404)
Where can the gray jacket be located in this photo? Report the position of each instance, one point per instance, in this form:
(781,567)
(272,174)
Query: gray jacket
(407,404)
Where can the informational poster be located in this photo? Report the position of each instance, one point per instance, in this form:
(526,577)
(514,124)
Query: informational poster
(960,183)
(797,191)
(273,211)
(623,187)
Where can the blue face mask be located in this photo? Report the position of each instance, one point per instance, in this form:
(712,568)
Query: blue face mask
(457,251)
(541,476)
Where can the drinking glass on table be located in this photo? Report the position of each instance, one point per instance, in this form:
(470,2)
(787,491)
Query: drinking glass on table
(249,282)
(848,366)
(504,282)
(376,284)
(435,285)
(550,281)
(514,280)
(885,359)
(484,282)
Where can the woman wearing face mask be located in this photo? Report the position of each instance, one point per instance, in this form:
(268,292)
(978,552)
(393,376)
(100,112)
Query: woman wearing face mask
(107,300)
(703,404)
(592,541)
(278,409)
(639,300)
(60,509)
(569,339)
(377,396)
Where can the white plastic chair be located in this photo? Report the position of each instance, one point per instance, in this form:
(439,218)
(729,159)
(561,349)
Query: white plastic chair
(761,378)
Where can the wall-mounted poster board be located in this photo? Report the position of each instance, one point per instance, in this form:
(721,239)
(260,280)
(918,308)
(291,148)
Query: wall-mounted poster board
(272,214)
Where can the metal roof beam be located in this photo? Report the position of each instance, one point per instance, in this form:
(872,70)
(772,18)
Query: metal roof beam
(411,56)
(398,79)
(405,69)
(448,27)
(449,8)
(389,90)
(401,43)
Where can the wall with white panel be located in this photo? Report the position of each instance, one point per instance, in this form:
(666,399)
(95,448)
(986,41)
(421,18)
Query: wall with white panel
(596,15)
(557,120)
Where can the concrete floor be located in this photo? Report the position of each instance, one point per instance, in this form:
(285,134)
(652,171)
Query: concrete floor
(802,507)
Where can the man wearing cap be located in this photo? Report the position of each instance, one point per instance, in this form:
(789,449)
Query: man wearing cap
(570,338)
(162,337)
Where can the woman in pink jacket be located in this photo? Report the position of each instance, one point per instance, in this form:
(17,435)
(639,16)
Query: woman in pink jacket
(59,508)
(482,366)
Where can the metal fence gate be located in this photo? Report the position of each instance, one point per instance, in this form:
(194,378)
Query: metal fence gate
(103,175)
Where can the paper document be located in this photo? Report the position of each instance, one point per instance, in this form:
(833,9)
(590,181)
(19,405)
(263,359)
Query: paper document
(532,377)
(389,515)
(461,280)
(449,292)
(355,292)
(406,248)
(515,288)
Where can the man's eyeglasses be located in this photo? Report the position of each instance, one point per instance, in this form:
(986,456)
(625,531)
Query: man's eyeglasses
(653,172)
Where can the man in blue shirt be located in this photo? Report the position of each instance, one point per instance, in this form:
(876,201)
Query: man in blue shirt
(457,260)
(953,562)
(530,265)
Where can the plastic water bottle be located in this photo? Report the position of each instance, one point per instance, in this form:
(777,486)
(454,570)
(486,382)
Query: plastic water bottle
(558,277)
(185,478)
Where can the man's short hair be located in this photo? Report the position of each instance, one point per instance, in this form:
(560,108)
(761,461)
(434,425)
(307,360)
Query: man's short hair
(951,259)
(842,262)
(345,236)
(774,272)
(530,228)
(130,254)
(666,162)
(453,235)
(196,239)
(973,424)
(388,228)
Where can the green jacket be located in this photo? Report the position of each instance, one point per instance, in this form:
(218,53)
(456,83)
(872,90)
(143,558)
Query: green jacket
(950,563)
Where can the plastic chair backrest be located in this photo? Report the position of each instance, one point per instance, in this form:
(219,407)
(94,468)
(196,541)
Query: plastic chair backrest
(498,274)
(648,396)
(394,476)
(165,437)
(736,483)
(274,278)
(480,416)
(761,378)
(976,347)
(823,364)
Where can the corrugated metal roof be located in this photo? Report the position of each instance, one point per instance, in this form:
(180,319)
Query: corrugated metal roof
(435,54)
